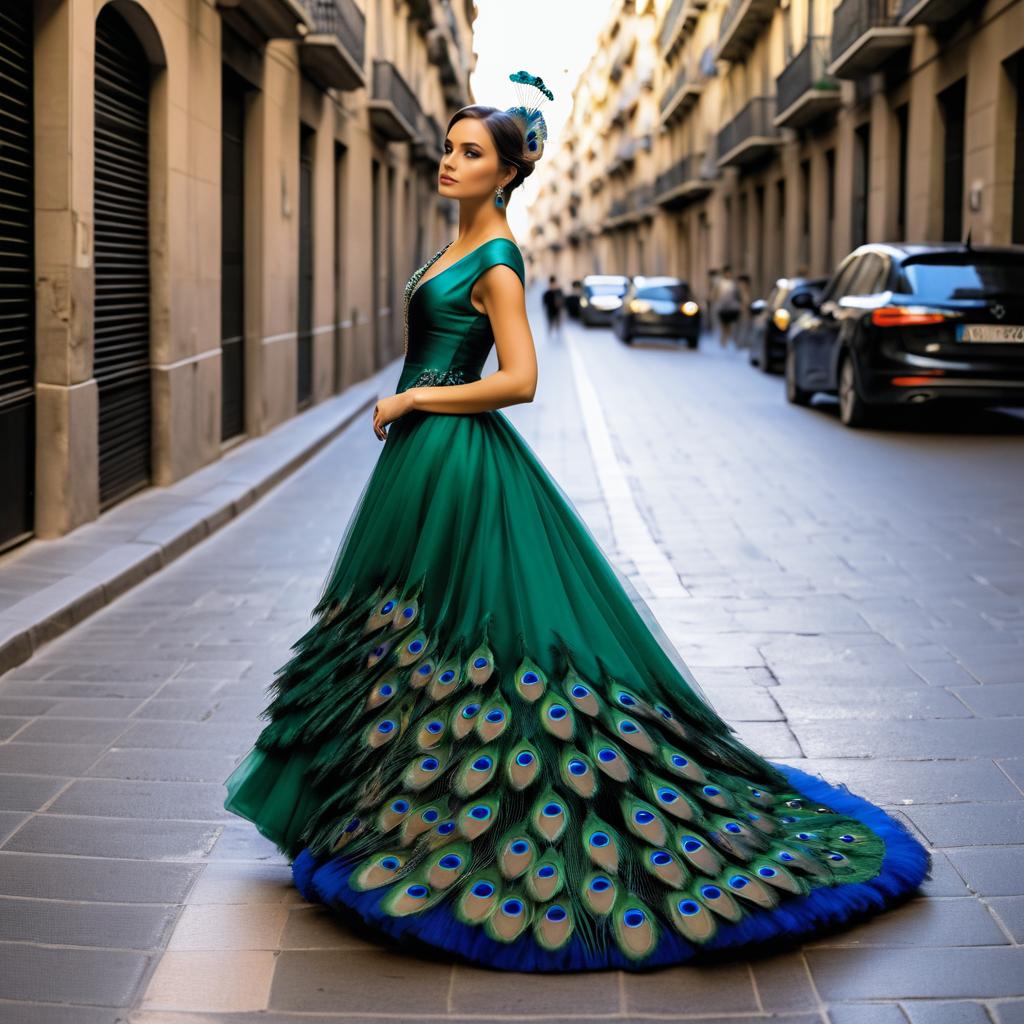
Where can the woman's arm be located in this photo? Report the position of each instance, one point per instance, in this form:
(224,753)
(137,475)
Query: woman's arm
(500,291)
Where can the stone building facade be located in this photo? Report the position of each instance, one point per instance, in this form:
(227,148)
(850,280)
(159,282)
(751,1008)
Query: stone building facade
(776,135)
(209,210)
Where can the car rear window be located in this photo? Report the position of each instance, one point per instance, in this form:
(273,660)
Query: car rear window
(667,292)
(987,277)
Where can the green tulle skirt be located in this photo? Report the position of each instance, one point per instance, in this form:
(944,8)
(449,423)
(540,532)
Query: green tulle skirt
(485,743)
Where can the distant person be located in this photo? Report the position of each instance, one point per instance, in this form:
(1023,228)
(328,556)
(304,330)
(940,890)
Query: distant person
(554,302)
(746,288)
(572,300)
(727,305)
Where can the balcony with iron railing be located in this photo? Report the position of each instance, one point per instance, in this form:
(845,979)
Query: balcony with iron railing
(272,19)
(751,135)
(742,23)
(865,34)
(932,12)
(625,154)
(805,90)
(619,208)
(334,52)
(671,28)
(628,97)
(625,43)
(394,109)
(680,95)
(687,180)
(636,204)
(421,14)
(428,145)
(641,199)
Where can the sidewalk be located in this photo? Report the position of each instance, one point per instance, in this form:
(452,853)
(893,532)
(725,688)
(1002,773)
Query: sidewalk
(46,586)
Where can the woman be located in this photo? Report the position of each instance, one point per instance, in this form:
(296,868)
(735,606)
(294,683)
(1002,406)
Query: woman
(485,743)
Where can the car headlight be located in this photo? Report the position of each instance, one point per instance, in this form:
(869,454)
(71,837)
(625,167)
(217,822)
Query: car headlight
(781,319)
(690,308)
(639,306)
(584,303)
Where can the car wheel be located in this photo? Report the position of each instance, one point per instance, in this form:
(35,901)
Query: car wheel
(794,393)
(626,337)
(691,343)
(764,359)
(853,410)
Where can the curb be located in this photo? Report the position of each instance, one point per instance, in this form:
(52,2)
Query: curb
(143,534)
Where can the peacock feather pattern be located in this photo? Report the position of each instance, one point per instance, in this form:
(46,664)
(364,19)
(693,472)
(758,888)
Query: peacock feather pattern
(541,820)
(482,745)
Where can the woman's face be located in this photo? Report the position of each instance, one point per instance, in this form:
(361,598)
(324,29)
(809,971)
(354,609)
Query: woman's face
(470,165)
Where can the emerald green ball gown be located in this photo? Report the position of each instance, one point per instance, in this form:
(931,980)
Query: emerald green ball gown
(486,745)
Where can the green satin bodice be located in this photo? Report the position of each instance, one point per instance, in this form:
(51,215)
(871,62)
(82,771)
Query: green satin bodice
(448,338)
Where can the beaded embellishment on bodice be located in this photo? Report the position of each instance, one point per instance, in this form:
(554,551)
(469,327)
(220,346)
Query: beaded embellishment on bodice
(410,287)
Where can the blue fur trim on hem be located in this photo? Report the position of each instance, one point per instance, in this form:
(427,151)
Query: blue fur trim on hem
(905,866)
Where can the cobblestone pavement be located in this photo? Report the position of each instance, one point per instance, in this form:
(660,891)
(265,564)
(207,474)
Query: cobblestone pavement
(853,602)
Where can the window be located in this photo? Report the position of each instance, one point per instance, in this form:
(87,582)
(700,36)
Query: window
(837,287)
(869,277)
(902,130)
(945,276)
(830,206)
(861,182)
(1015,69)
(951,103)
(780,227)
(665,292)
(805,212)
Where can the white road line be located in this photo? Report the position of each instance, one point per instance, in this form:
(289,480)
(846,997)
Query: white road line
(633,538)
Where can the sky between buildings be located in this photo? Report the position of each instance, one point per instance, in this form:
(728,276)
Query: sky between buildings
(550,38)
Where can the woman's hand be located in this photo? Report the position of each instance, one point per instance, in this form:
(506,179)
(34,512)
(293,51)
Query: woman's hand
(387,410)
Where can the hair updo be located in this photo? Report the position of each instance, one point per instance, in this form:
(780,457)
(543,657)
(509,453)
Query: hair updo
(508,140)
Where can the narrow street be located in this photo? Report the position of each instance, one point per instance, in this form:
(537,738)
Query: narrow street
(852,601)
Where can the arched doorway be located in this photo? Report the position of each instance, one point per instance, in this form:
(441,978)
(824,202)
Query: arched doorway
(121,327)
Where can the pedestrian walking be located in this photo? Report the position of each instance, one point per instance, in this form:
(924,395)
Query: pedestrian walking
(727,305)
(746,295)
(554,305)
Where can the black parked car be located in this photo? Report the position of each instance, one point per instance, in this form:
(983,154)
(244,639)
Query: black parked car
(772,318)
(906,323)
(600,297)
(660,307)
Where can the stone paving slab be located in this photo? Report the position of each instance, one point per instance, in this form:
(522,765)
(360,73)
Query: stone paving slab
(50,585)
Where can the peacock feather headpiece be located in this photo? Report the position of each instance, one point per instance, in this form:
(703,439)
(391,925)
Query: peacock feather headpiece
(532,94)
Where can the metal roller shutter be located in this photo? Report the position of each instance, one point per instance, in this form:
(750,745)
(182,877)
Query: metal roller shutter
(17,301)
(232,205)
(121,361)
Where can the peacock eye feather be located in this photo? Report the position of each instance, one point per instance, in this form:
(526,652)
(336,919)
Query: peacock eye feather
(530,680)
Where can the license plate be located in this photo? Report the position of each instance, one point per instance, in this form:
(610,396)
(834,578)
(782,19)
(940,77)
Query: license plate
(989,332)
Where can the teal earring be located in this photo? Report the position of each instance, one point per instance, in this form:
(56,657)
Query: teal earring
(499,200)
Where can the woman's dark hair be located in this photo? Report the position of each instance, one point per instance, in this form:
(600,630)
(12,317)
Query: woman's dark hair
(507,136)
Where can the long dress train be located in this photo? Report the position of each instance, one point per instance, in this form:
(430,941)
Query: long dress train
(484,742)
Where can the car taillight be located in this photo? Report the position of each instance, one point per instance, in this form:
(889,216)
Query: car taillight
(781,319)
(906,316)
